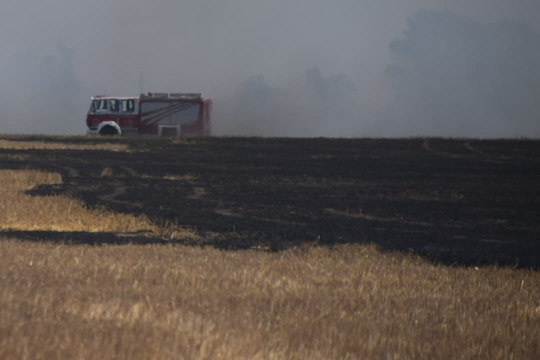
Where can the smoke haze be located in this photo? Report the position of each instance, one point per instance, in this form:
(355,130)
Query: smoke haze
(280,68)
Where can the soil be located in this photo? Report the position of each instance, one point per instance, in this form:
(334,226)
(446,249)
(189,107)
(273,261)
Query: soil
(454,201)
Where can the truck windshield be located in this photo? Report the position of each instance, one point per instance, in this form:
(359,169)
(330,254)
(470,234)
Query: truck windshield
(99,105)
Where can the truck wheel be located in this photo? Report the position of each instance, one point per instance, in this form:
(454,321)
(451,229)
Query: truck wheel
(108,130)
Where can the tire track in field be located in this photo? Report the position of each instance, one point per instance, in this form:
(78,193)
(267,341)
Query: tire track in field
(117,188)
(114,188)
(230,214)
(130,171)
(72,172)
(116,191)
(198,193)
(426,145)
(361,215)
(469,147)
(67,173)
(480,154)
(485,155)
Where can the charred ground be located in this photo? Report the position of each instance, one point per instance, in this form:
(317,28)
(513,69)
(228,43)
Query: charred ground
(455,201)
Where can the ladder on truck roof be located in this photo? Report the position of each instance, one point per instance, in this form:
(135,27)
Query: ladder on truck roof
(172,96)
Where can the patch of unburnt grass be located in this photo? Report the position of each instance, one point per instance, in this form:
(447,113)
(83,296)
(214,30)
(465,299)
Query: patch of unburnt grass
(168,302)
(19,211)
(41,145)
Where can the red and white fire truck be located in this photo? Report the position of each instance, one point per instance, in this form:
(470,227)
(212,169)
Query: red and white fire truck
(162,114)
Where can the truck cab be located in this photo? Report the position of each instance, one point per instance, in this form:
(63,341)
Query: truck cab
(113,116)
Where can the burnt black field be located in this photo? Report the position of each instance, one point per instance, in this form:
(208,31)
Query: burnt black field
(452,201)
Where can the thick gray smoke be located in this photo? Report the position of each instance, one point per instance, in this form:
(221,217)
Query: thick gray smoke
(455,76)
(280,68)
(41,94)
(313,106)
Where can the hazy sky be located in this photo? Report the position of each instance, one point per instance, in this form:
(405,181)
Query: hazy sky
(212,45)
(183,45)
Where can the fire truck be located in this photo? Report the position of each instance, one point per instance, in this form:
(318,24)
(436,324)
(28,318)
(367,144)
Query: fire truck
(161,114)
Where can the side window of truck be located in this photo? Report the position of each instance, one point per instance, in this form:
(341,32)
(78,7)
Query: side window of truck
(128,105)
(115,105)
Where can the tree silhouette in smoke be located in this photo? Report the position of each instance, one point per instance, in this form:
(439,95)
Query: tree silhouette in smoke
(255,97)
(455,76)
(42,94)
(327,89)
(316,106)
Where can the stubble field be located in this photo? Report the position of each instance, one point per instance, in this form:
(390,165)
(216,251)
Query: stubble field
(269,248)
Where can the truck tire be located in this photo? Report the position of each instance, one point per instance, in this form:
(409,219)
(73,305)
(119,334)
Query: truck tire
(108,130)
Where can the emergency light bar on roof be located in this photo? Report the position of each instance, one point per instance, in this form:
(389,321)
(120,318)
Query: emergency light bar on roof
(105,97)
(172,96)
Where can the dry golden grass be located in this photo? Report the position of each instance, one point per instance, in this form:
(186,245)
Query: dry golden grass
(169,302)
(19,211)
(41,145)
(174,302)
